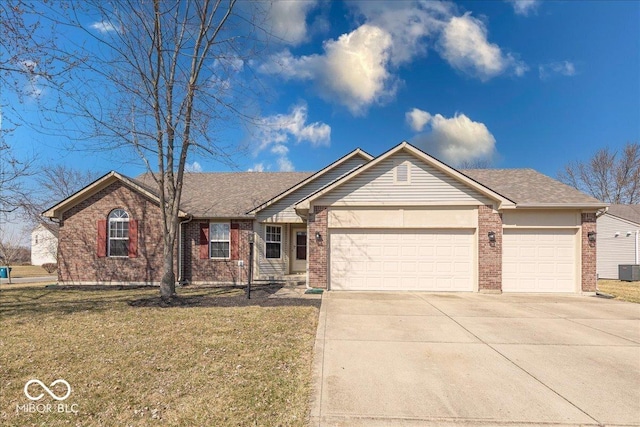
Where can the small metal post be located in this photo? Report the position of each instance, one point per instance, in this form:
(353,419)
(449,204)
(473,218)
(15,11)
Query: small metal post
(250,275)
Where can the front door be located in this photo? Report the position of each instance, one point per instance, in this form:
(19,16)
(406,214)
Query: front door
(298,255)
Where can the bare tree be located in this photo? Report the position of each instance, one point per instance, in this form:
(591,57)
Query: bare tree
(12,173)
(476,164)
(609,175)
(11,252)
(161,79)
(29,61)
(53,183)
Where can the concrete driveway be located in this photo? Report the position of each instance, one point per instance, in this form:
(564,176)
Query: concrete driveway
(422,359)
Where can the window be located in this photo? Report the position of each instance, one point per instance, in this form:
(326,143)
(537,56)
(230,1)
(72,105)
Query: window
(220,240)
(118,233)
(273,240)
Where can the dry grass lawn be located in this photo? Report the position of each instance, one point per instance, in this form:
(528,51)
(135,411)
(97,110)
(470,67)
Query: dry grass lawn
(210,359)
(626,291)
(18,271)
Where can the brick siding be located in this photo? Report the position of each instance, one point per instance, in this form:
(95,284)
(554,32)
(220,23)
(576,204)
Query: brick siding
(588,253)
(489,254)
(318,267)
(216,270)
(77,249)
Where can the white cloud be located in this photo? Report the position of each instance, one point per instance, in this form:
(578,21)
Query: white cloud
(464,45)
(275,132)
(562,68)
(258,167)
(408,23)
(288,20)
(285,165)
(456,139)
(104,27)
(33,87)
(524,7)
(417,119)
(277,129)
(352,71)
(359,68)
(192,167)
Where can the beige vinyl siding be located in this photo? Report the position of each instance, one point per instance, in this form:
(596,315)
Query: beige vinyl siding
(271,266)
(282,210)
(426,185)
(612,250)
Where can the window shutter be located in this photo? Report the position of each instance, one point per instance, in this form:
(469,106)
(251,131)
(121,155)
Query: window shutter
(102,238)
(133,238)
(204,240)
(235,240)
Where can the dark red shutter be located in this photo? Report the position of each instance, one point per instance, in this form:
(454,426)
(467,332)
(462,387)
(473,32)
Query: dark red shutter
(235,240)
(133,238)
(102,238)
(204,240)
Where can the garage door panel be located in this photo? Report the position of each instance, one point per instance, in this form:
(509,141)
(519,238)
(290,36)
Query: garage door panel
(539,260)
(438,260)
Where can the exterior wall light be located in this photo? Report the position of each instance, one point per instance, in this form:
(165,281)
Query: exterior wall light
(617,234)
(318,237)
(251,238)
(492,236)
(591,235)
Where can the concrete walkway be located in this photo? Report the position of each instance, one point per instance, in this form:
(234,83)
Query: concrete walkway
(423,359)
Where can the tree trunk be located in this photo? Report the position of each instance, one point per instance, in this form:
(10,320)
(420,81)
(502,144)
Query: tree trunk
(168,282)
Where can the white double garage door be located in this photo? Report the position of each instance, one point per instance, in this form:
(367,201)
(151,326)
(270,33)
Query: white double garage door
(534,260)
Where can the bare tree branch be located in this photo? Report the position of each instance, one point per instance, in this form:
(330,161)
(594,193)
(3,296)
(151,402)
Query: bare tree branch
(610,176)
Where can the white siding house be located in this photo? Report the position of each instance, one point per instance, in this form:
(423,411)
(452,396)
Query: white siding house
(44,244)
(618,240)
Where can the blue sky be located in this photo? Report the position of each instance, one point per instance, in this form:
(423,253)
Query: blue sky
(522,84)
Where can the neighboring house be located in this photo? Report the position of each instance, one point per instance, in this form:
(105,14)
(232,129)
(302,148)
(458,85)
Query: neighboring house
(44,244)
(400,221)
(618,239)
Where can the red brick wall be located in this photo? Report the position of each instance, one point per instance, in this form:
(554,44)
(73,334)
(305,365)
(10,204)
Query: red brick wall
(318,267)
(489,254)
(588,253)
(77,248)
(216,270)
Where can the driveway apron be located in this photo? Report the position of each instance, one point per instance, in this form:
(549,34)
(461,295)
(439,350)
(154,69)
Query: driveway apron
(384,359)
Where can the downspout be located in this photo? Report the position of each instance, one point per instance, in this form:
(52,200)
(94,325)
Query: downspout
(180,263)
(598,215)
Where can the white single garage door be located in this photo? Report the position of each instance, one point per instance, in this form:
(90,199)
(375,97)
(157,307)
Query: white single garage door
(539,260)
(401,259)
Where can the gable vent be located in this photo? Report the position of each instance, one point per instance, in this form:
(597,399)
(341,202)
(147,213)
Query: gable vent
(402,173)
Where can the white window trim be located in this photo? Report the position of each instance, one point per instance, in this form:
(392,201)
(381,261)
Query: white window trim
(272,241)
(218,241)
(109,238)
(395,173)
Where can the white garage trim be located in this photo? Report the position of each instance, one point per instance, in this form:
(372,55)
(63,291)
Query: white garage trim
(540,260)
(436,217)
(403,259)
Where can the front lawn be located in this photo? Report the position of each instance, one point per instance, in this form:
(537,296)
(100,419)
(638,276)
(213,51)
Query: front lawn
(210,359)
(626,291)
(18,271)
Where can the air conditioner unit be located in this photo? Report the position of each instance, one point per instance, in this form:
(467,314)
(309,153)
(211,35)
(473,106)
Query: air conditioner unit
(629,272)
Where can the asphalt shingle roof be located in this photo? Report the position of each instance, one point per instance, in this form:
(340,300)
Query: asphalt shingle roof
(628,212)
(527,186)
(229,194)
(233,194)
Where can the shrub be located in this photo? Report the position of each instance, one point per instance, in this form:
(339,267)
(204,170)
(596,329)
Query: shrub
(50,267)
